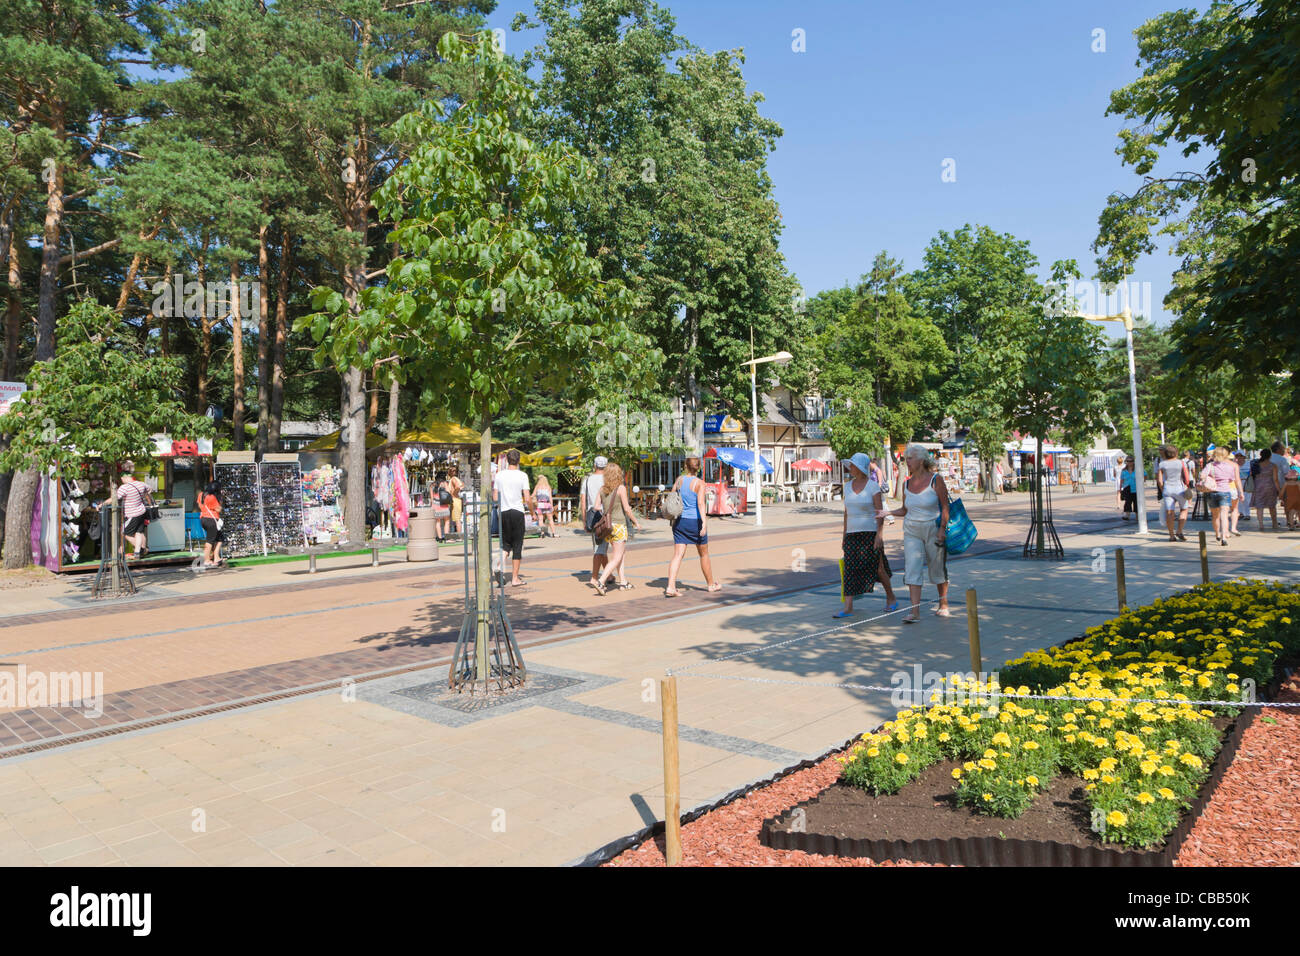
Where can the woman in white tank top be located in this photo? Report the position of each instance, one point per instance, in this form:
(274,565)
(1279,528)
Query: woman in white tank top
(925,500)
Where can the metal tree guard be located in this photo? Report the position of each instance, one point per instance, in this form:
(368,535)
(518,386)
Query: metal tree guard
(113,569)
(1051,547)
(505,664)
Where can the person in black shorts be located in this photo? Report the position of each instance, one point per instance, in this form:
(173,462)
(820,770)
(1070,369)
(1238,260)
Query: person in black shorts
(210,519)
(510,491)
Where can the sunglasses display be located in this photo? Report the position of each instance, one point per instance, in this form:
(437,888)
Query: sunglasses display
(261,507)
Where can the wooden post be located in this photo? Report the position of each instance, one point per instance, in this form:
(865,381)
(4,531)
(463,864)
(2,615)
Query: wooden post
(1205,561)
(1121,586)
(973,627)
(672,774)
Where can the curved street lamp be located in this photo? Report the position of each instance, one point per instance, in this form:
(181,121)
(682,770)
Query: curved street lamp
(780,358)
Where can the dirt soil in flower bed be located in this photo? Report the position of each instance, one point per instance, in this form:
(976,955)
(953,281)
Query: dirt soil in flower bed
(1253,819)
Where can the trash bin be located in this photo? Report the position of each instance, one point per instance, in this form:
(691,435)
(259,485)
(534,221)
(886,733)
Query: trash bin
(420,543)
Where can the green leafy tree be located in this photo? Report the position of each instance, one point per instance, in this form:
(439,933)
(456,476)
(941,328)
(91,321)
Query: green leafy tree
(101,397)
(873,339)
(858,423)
(488,295)
(1219,83)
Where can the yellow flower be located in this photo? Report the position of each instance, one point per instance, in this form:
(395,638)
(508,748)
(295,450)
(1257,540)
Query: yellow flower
(1030,745)
(1145,798)
(901,758)
(1148,767)
(1031,780)
(1001,738)
(989,754)
(988,797)
(956,773)
(1107,778)
(1166,793)
(1166,771)
(1091,774)
(1190,759)
(988,764)
(873,751)
(1116,818)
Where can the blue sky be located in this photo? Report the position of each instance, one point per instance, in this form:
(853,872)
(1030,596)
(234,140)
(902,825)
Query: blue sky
(885,92)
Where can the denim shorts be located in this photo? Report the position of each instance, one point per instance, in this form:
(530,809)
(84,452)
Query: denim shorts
(1220,499)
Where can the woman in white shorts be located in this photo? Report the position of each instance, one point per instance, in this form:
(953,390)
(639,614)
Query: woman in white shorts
(1172,485)
(925,501)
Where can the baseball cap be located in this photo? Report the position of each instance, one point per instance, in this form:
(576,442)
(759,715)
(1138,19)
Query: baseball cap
(601,461)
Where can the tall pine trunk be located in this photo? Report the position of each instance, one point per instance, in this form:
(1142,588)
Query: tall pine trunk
(281,342)
(263,336)
(237,356)
(205,327)
(13,304)
(392,409)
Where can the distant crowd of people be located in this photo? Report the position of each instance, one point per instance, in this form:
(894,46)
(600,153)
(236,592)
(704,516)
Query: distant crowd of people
(1230,481)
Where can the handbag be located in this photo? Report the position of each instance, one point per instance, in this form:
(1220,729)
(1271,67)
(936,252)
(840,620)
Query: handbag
(672,506)
(1208,484)
(604,523)
(151,511)
(961,532)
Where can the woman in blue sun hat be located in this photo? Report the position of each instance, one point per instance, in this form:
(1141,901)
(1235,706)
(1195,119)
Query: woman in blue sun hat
(864,561)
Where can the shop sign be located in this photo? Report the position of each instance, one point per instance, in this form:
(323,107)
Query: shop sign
(9,392)
(721,422)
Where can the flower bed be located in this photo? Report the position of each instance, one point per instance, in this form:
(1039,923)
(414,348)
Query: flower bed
(1142,756)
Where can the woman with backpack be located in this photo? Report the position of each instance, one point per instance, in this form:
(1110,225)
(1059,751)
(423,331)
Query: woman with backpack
(442,508)
(690,527)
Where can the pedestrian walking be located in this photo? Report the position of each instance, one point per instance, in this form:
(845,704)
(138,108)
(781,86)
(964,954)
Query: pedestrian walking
(1246,475)
(210,521)
(863,547)
(691,527)
(1291,499)
(1268,486)
(1238,492)
(455,486)
(589,502)
(442,508)
(1126,491)
(510,493)
(1217,481)
(925,501)
(1173,484)
(135,510)
(545,507)
(615,505)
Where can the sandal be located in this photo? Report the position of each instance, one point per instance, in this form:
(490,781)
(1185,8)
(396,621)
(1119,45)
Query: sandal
(673,592)
(943,612)
(715,586)
(626,586)
(840,614)
(1181,536)
(891,607)
(911,620)
(600,589)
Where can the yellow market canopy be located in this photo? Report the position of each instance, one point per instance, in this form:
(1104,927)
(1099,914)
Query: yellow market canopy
(440,433)
(565,453)
(331,441)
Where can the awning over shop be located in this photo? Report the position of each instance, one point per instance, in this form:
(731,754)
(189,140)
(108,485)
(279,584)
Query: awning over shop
(331,441)
(439,433)
(565,453)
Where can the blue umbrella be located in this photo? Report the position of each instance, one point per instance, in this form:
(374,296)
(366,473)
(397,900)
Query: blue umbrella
(742,458)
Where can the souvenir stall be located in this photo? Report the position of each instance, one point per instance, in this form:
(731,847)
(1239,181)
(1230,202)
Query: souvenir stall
(322,504)
(66,532)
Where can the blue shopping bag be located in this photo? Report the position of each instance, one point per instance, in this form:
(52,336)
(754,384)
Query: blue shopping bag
(961,530)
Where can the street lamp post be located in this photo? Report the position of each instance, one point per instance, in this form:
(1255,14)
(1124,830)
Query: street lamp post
(1127,318)
(780,358)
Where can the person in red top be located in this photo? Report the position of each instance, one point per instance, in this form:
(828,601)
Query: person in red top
(210,519)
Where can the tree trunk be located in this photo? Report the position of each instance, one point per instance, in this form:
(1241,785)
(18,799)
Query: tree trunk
(692,336)
(483,567)
(48,295)
(18,519)
(281,342)
(393,388)
(263,336)
(14,306)
(372,417)
(352,445)
(164,320)
(205,328)
(237,356)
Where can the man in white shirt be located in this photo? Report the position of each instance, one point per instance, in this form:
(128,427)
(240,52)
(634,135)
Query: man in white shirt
(510,491)
(590,498)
